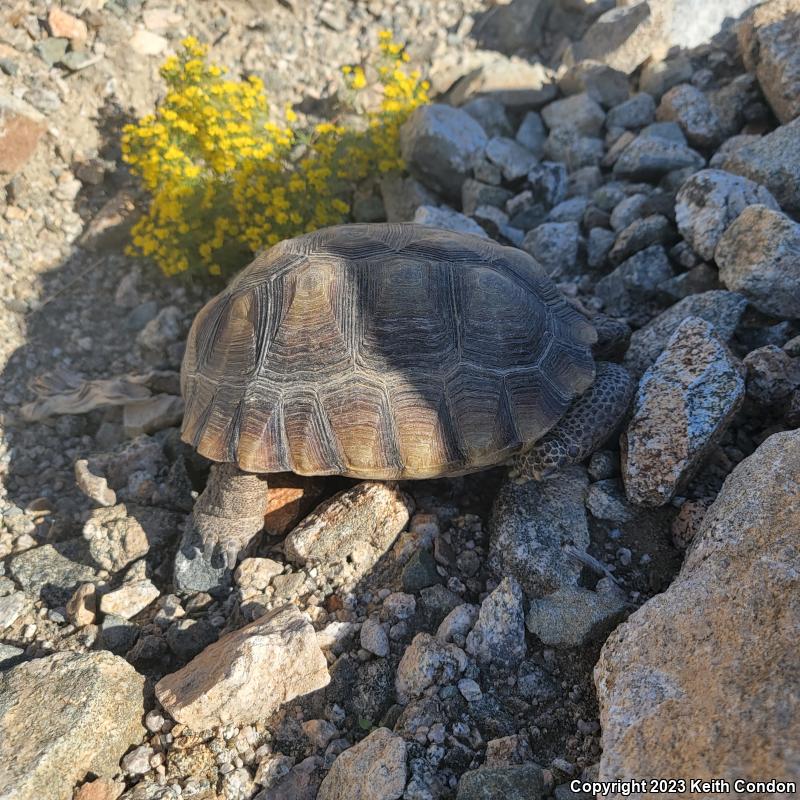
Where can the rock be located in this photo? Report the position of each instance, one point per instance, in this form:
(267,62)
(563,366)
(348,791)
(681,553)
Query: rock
(441,145)
(515,82)
(100,789)
(634,281)
(658,77)
(12,606)
(684,404)
(63,716)
(605,85)
(161,331)
(530,526)
(774,162)
(624,37)
(720,308)
(710,201)
(650,158)
(759,257)
(606,500)
(457,624)
(373,769)
(95,487)
(436,602)
(531,133)
(137,762)
(522,782)
(129,599)
(555,246)
(52,49)
(772,376)
(702,278)
(573,617)
(427,662)
(419,572)
(512,26)
(470,690)
(52,571)
(117,634)
(448,219)
(627,211)
(152,414)
(119,535)
(490,114)
(475,194)
(256,573)
(499,634)
(21,128)
(368,517)
(640,234)
(576,151)
(578,112)
(82,606)
(690,108)
(598,246)
(663,710)
(402,196)
(147,43)
(189,637)
(635,113)
(247,674)
(64,25)
(374,638)
(767,40)
(289,499)
(511,157)
(572,210)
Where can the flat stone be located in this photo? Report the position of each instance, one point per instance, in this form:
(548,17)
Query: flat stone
(367,516)
(449,220)
(21,128)
(650,158)
(774,162)
(247,674)
(373,769)
(721,308)
(63,716)
(441,145)
(579,113)
(683,406)
(498,636)
(710,201)
(768,43)
(511,157)
(129,599)
(759,257)
(637,112)
(701,679)
(574,617)
(515,82)
(152,414)
(602,83)
(530,526)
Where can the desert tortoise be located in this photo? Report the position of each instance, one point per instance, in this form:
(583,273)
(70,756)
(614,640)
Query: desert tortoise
(387,352)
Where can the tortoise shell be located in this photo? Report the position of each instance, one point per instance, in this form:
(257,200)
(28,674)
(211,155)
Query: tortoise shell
(382,351)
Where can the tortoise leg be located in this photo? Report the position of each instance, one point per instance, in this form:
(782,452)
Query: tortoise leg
(589,421)
(225,519)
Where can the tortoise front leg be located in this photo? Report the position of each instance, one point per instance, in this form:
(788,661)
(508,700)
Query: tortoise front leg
(589,421)
(225,519)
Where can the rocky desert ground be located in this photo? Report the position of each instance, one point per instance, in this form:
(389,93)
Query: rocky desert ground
(634,617)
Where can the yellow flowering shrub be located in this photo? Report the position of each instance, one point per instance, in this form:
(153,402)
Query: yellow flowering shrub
(226,177)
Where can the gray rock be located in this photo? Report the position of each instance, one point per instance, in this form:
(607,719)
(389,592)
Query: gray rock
(402,196)
(555,246)
(653,677)
(511,157)
(606,500)
(448,219)
(683,406)
(441,145)
(53,571)
(427,662)
(496,223)
(768,39)
(498,636)
(574,617)
(772,376)
(513,26)
(670,131)
(531,133)
(118,634)
(635,113)
(548,184)
(605,85)
(12,607)
(628,211)
(374,638)
(759,257)
(702,278)
(634,281)
(571,210)
(640,234)
(533,525)
(691,109)
(720,308)
(515,82)
(189,637)
(419,572)
(10,656)
(63,716)
(521,781)
(774,162)
(457,624)
(578,112)
(164,329)
(650,158)
(658,77)
(475,194)
(598,246)
(490,114)
(710,201)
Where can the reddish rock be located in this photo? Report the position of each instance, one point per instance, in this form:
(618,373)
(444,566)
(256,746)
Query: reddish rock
(21,127)
(63,25)
(291,498)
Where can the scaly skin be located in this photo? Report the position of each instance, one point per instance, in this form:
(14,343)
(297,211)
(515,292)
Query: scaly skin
(227,516)
(589,421)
